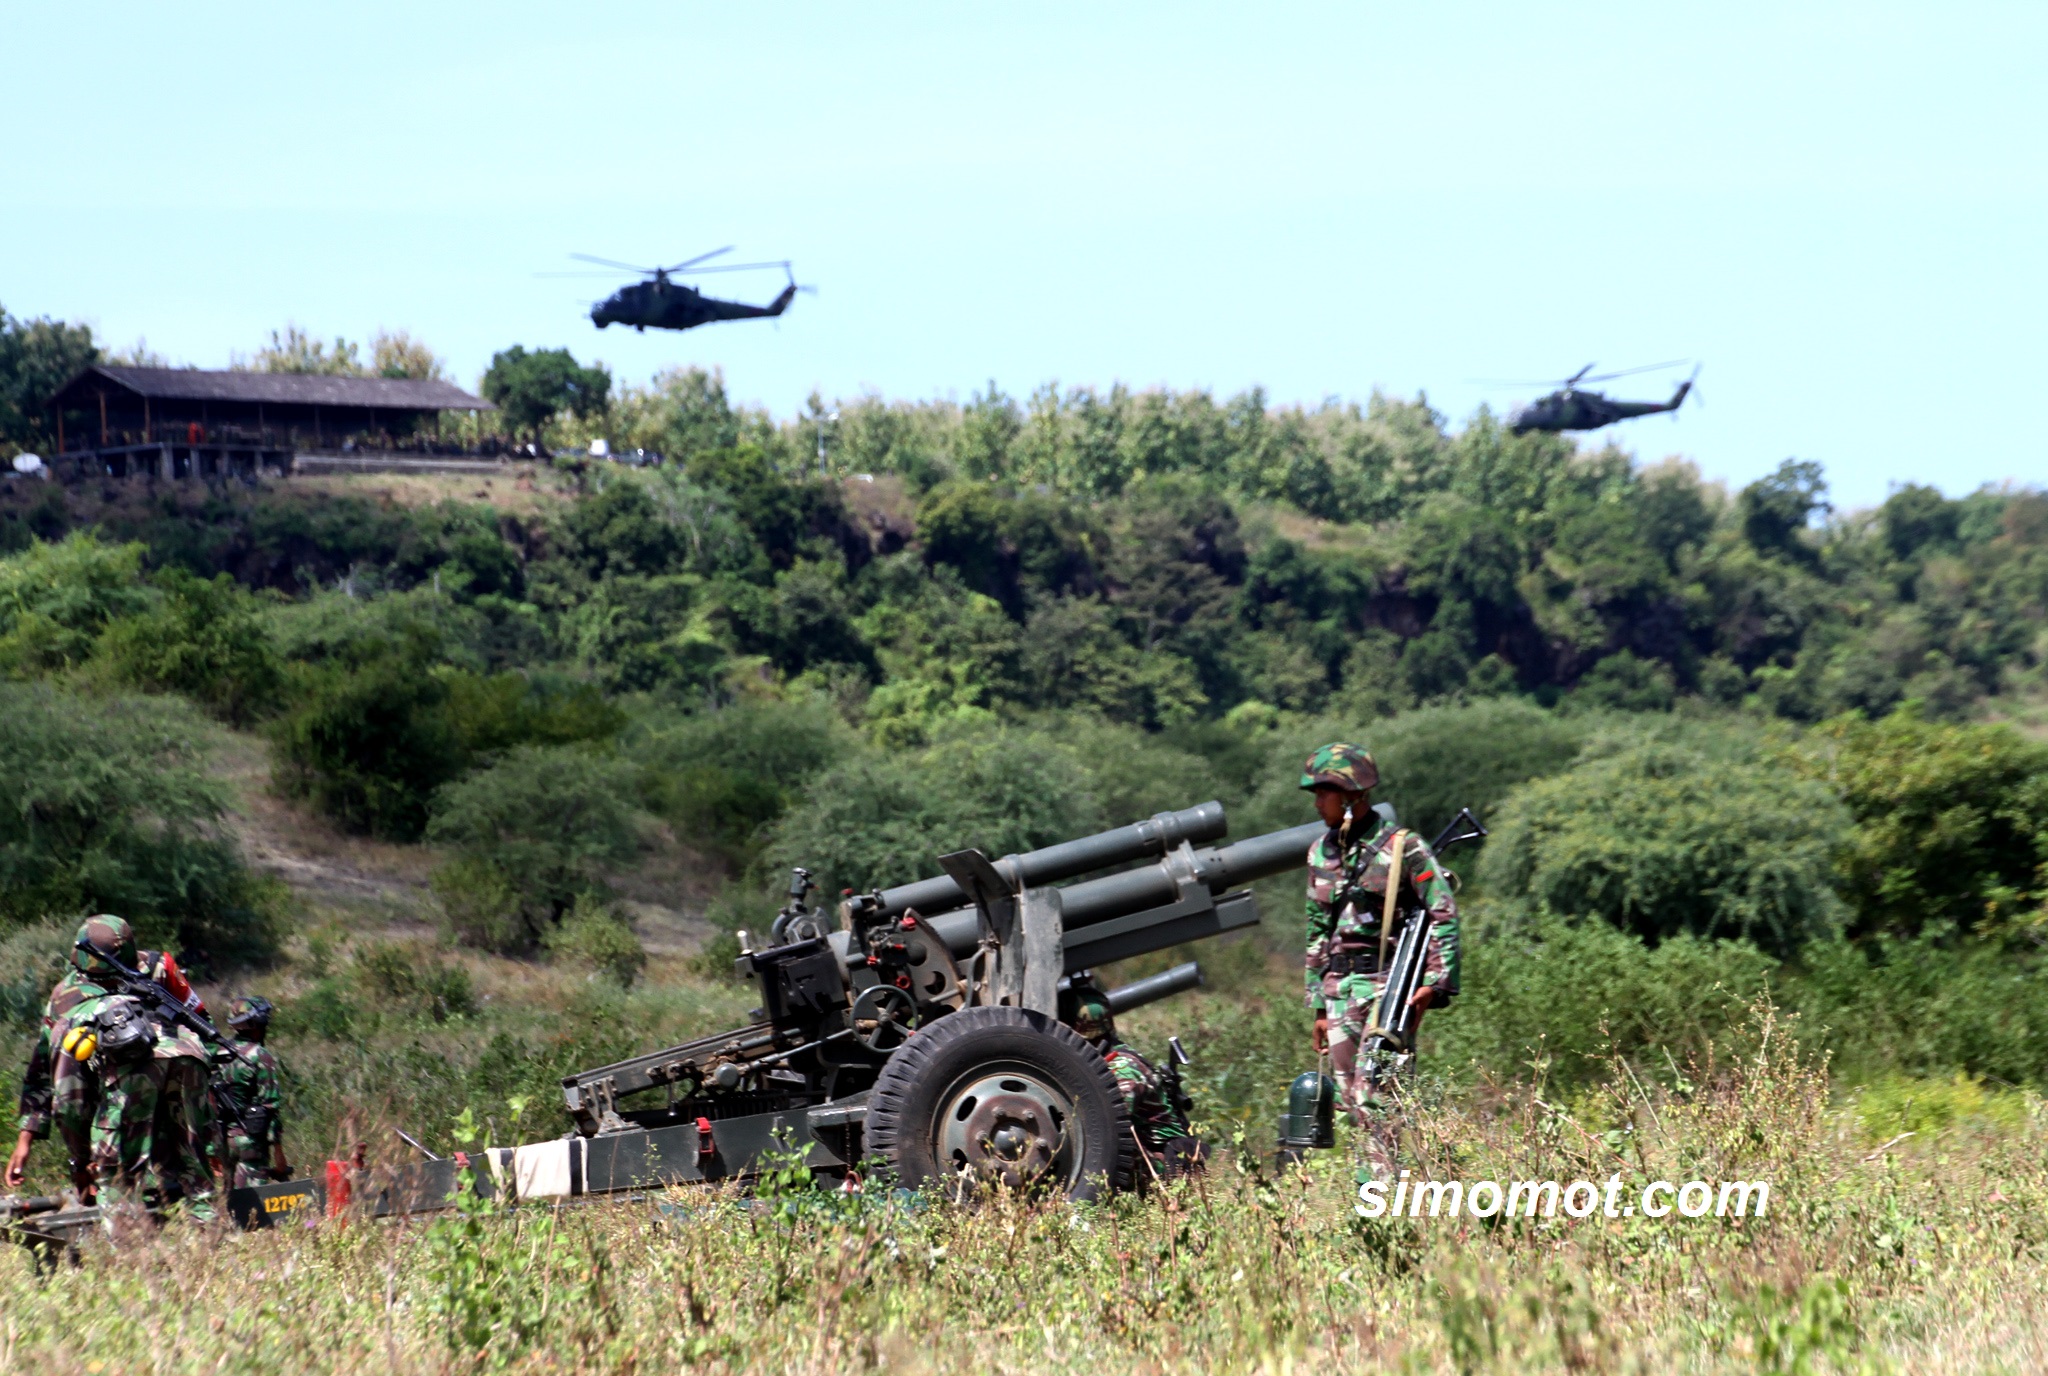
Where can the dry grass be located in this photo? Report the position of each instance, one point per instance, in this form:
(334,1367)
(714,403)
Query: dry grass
(521,490)
(1924,1255)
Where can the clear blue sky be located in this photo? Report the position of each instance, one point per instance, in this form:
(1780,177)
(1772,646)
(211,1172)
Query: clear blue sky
(1839,208)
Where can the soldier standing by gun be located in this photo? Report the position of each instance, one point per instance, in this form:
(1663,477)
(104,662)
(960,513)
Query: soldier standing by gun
(253,1086)
(1362,874)
(1156,1102)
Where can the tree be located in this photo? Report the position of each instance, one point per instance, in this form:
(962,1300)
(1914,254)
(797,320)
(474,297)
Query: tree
(1775,509)
(36,358)
(56,598)
(292,350)
(369,741)
(400,355)
(110,808)
(1951,823)
(533,388)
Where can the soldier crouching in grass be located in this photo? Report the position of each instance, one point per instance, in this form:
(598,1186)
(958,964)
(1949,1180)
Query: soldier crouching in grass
(1353,916)
(1167,1145)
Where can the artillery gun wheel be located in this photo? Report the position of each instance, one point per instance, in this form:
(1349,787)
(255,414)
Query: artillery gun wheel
(1001,1096)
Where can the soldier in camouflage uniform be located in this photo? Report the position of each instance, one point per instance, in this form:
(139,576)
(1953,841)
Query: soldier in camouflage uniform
(58,1090)
(184,1139)
(1348,946)
(1165,1138)
(256,1140)
(124,1122)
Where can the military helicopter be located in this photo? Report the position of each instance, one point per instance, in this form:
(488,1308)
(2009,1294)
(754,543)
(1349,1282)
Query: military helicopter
(669,305)
(1568,408)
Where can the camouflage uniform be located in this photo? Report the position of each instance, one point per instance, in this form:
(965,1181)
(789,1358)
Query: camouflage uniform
(184,1138)
(60,1090)
(124,1120)
(56,1090)
(1348,872)
(1164,1134)
(257,1089)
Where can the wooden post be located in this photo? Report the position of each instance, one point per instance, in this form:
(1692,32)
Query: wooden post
(145,420)
(103,415)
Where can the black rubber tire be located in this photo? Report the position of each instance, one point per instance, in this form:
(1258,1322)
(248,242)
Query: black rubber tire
(901,1126)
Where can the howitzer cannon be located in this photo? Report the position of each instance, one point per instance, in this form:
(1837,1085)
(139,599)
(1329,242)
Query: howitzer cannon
(923,1031)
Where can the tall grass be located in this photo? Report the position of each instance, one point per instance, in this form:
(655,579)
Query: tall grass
(1922,1254)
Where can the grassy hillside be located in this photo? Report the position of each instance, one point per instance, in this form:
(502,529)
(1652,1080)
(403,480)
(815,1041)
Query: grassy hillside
(476,778)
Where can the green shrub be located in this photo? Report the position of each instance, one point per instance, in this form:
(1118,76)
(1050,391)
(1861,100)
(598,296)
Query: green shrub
(204,638)
(1925,1006)
(721,776)
(1951,823)
(411,976)
(32,960)
(368,743)
(597,937)
(1659,839)
(885,820)
(493,712)
(110,809)
(1546,989)
(541,825)
(1898,1105)
(56,598)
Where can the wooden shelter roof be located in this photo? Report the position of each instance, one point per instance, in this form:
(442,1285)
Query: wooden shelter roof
(303,389)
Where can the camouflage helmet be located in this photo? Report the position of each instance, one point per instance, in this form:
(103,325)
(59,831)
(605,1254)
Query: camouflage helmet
(108,934)
(250,1011)
(1341,765)
(1092,1017)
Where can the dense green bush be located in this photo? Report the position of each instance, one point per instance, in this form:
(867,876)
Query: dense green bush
(1925,1006)
(56,599)
(1548,994)
(367,740)
(530,835)
(1951,824)
(203,638)
(1660,839)
(721,776)
(110,809)
(881,820)
(598,938)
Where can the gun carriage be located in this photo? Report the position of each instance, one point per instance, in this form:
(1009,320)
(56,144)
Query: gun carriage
(921,1028)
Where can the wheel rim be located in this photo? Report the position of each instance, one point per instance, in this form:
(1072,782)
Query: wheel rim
(1008,1126)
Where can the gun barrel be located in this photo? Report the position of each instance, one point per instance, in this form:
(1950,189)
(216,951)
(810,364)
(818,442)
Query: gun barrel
(1153,988)
(1154,836)
(1157,885)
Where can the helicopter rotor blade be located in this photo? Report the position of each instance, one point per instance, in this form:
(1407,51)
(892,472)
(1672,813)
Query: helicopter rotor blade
(612,263)
(734,267)
(1575,378)
(1631,372)
(692,262)
(579,273)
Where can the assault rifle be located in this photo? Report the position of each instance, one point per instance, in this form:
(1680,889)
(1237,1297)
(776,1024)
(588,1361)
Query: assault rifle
(1394,1022)
(1169,1076)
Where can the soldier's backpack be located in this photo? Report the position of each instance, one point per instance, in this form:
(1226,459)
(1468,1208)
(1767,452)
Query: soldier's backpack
(123,1030)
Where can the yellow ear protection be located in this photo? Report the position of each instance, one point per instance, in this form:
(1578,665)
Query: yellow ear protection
(80,1042)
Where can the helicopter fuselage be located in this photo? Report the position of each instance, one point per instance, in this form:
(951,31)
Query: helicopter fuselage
(666,305)
(1572,409)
